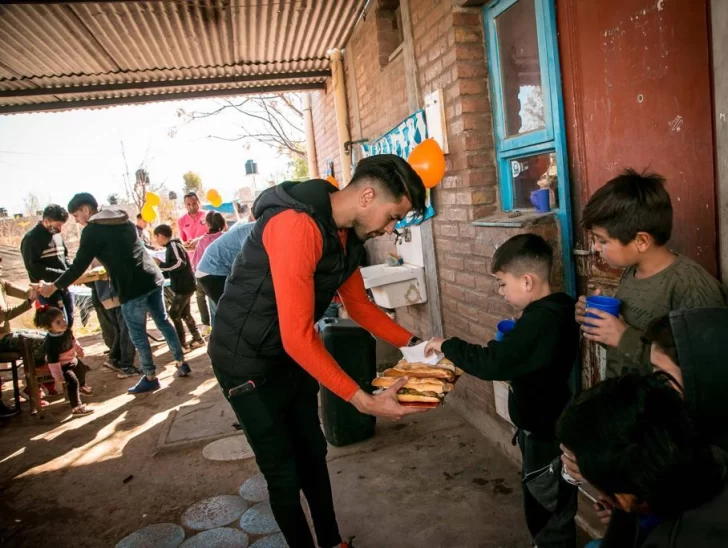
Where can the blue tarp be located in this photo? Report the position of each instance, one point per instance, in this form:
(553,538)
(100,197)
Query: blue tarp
(226,207)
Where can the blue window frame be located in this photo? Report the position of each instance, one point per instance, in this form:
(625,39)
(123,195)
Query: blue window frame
(528,112)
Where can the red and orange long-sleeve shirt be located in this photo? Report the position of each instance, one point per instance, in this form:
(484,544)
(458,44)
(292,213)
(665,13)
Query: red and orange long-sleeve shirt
(294,246)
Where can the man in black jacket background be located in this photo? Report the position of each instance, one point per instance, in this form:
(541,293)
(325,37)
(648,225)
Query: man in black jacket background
(46,257)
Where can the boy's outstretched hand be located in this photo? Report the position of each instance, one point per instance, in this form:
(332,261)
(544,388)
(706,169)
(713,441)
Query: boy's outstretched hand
(434,346)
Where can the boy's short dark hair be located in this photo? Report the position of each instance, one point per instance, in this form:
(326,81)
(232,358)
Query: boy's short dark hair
(659,332)
(54,212)
(139,216)
(523,254)
(633,435)
(395,176)
(82,199)
(190,195)
(164,230)
(630,203)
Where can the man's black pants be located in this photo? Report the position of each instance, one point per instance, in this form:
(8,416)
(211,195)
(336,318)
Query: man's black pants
(213,286)
(280,419)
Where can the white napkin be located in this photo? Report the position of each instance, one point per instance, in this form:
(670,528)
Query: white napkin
(416,354)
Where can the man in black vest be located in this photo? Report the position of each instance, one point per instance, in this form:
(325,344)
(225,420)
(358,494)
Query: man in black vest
(306,246)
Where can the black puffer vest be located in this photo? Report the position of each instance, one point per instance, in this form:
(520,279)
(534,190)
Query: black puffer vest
(246,339)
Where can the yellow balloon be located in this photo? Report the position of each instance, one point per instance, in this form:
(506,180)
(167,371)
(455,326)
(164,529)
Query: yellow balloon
(153,199)
(148,213)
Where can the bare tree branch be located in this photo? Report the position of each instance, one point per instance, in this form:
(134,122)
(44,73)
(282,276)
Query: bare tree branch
(275,120)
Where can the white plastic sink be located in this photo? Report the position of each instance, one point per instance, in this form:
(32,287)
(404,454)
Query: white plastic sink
(395,286)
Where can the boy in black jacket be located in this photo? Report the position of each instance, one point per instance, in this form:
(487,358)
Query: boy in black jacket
(536,357)
(182,281)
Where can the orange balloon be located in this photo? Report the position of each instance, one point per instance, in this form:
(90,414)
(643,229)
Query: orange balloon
(213,196)
(333,181)
(428,160)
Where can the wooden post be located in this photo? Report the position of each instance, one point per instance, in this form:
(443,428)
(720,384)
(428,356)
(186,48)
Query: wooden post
(342,116)
(313,171)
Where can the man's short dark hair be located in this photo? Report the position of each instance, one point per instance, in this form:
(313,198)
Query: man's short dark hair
(139,217)
(395,176)
(82,199)
(54,212)
(191,195)
(164,230)
(633,435)
(659,332)
(630,203)
(523,254)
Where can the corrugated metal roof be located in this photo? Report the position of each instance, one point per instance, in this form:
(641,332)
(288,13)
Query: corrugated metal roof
(57,56)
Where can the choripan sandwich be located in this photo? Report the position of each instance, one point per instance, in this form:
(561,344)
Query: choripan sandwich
(426,384)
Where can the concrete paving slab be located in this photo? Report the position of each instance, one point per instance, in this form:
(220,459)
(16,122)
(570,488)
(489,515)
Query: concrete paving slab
(214,512)
(254,489)
(159,535)
(405,431)
(196,424)
(436,483)
(259,520)
(227,449)
(222,537)
(273,541)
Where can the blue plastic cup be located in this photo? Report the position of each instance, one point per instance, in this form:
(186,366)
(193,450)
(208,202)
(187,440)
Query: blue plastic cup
(610,305)
(504,327)
(541,200)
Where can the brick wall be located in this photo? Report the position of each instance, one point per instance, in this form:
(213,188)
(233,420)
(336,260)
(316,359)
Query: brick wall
(449,54)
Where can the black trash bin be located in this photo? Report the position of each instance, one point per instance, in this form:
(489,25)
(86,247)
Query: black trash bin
(355,350)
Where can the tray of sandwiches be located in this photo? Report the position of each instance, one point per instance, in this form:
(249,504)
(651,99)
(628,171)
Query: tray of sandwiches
(427,385)
(94,275)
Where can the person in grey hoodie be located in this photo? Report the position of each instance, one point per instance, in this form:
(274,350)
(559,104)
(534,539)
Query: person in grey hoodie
(111,238)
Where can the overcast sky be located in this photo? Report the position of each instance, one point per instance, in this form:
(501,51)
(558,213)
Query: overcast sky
(55,155)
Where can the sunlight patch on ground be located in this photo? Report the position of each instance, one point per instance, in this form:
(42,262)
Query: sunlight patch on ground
(109,443)
(100,410)
(204,387)
(12,456)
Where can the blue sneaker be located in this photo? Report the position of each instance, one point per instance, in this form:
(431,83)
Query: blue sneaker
(144,385)
(183,370)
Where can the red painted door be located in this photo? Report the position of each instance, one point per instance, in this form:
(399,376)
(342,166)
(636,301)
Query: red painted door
(636,82)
